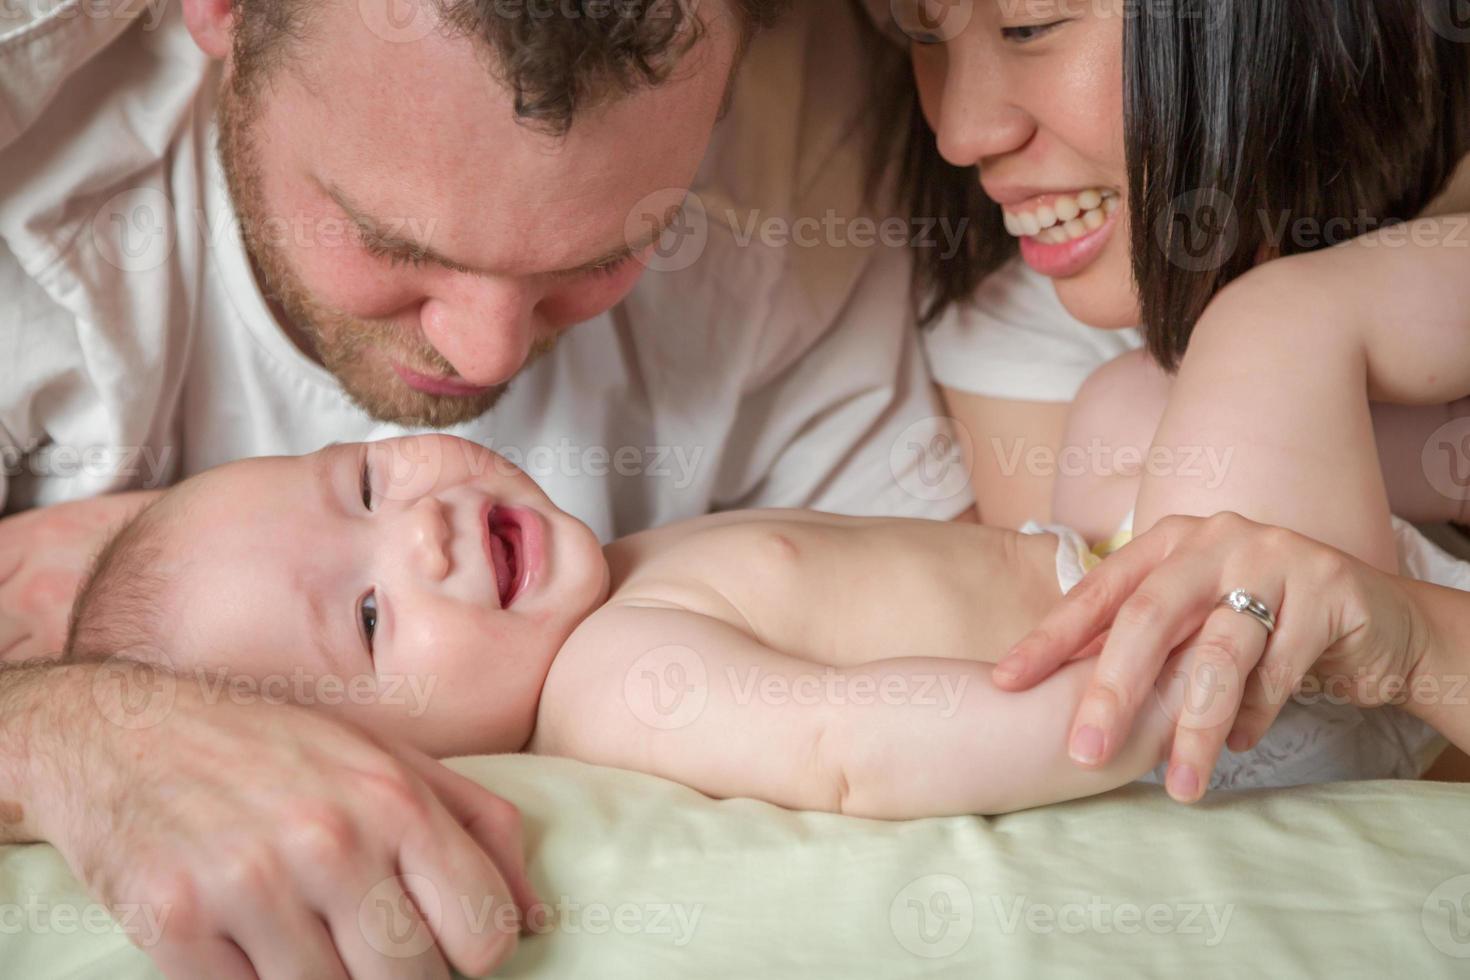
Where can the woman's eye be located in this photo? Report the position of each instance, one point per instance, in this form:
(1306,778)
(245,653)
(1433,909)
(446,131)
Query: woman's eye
(366,484)
(367,614)
(1029,32)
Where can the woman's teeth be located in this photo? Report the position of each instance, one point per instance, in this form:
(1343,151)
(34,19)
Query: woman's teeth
(1065,219)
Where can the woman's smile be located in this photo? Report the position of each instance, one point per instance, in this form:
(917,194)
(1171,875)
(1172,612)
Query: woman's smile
(1061,234)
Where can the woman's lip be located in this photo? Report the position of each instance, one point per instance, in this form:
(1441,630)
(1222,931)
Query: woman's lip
(530,557)
(443,387)
(1067,259)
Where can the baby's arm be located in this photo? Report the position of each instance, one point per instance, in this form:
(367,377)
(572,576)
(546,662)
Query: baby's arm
(1280,371)
(689,698)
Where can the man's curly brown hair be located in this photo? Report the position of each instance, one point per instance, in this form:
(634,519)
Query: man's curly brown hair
(558,57)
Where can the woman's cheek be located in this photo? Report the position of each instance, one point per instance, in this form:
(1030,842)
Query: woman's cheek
(929,71)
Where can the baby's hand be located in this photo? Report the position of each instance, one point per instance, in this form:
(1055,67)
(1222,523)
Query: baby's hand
(44,554)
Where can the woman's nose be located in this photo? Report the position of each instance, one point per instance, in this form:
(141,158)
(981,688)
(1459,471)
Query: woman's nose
(979,118)
(483,326)
(427,537)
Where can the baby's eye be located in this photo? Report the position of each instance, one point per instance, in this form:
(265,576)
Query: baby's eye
(1029,32)
(367,615)
(366,483)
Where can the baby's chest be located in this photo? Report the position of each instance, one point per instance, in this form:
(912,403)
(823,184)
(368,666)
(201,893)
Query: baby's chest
(818,594)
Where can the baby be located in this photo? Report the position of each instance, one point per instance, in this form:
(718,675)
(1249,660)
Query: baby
(813,661)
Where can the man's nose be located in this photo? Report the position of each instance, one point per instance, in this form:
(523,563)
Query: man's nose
(426,538)
(978,115)
(483,326)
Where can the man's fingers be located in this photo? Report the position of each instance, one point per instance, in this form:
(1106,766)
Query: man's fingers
(463,897)
(456,878)
(494,823)
(216,958)
(383,935)
(17,644)
(291,941)
(10,562)
(1083,613)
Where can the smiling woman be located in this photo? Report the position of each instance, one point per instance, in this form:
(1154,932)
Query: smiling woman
(1237,142)
(1215,126)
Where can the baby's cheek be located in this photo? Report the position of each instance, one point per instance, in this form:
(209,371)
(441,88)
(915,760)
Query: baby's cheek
(439,652)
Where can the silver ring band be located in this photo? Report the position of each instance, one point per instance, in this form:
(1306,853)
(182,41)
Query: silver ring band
(1243,602)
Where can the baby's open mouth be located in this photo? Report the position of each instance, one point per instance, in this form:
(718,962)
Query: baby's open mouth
(507,553)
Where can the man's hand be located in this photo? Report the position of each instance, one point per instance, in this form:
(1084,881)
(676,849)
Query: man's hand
(43,555)
(269,840)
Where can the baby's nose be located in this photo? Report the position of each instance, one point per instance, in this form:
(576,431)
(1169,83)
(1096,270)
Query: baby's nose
(428,538)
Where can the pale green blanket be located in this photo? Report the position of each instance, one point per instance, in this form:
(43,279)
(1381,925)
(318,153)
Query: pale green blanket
(652,880)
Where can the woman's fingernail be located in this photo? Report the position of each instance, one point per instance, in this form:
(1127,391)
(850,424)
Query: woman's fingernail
(1183,783)
(1087,745)
(1008,669)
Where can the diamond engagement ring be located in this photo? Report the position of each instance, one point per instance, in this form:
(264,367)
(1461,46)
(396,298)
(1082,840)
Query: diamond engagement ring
(1243,602)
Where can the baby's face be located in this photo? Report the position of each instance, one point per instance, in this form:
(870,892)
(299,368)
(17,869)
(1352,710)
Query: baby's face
(427,573)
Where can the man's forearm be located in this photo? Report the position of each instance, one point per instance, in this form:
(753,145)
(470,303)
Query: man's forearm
(35,754)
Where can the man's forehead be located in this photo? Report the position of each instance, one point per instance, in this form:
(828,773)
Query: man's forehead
(423,134)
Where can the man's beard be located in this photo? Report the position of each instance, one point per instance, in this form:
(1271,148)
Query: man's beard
(344,344)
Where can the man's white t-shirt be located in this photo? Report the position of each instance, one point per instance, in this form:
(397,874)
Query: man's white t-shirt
(136,348)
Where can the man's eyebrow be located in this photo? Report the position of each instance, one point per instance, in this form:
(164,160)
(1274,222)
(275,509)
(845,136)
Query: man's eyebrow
(390,241)
(385,240)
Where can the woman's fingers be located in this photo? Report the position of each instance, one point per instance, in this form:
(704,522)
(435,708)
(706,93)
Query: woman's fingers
(1204,688)
(1085,612)
(1301,635)
(1149,625)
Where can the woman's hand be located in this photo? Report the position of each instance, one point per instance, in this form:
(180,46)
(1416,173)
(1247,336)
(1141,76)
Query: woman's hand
(44,554)
(1153,609)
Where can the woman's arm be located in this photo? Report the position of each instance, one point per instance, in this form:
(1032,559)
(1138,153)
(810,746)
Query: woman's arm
(1439,683)
(1279,375)
(1013,446)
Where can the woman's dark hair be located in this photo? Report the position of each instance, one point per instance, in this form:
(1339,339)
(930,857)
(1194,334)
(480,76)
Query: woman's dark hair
(1253,129)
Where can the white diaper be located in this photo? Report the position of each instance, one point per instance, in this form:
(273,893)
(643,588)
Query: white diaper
(1316,739)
